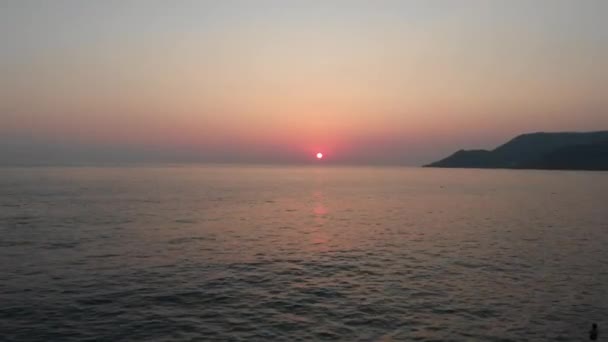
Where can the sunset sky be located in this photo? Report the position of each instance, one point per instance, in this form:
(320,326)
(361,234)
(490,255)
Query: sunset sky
(369,82)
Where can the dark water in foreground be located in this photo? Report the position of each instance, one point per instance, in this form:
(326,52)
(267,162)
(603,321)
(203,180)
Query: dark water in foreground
(298,254)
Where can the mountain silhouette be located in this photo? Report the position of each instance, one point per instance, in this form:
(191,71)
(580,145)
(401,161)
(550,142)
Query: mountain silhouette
(564,151)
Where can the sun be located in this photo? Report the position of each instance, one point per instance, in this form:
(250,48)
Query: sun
(319,155)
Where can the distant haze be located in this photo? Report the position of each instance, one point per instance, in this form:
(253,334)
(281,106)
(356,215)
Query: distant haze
(369,82)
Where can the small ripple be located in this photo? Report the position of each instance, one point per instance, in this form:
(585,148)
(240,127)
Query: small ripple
(185,221)
(61,245)
(103,256)
(179,241)
(10,243)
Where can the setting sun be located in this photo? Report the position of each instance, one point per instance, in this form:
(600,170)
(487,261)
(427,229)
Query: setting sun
(319,155)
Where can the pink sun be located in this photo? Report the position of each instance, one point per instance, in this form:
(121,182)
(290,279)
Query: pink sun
(319,155)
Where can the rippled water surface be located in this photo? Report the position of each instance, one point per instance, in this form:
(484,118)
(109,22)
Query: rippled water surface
(299,254)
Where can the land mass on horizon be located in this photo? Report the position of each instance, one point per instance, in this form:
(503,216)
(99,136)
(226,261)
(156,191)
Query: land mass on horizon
(548,151)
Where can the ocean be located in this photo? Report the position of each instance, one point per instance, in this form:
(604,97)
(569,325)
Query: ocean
(268,253)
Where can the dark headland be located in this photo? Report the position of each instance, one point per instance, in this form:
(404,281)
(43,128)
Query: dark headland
(549,151)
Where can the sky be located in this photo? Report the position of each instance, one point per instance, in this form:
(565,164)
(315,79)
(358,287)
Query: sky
(364,82)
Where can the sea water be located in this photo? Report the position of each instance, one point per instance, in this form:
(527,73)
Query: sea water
(233,253)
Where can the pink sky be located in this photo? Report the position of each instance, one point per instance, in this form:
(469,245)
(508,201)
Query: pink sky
(363,82)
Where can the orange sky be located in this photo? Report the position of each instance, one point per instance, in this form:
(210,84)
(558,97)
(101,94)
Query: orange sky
(401,82)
